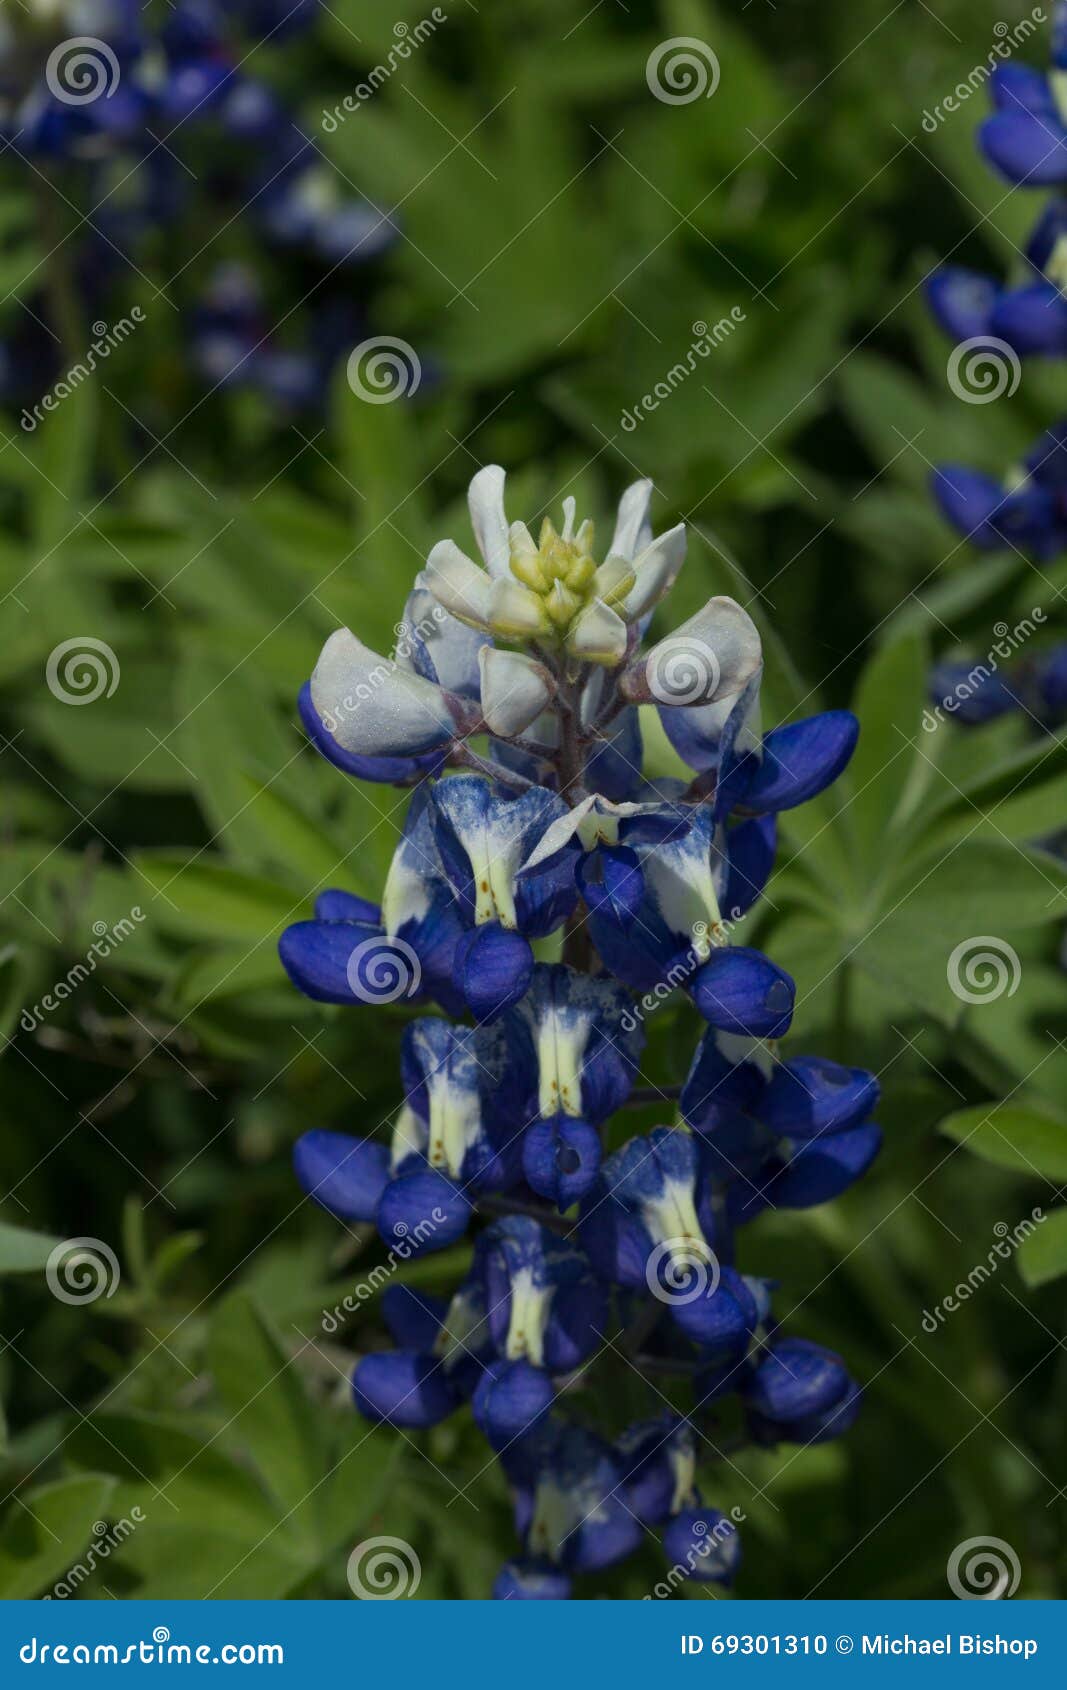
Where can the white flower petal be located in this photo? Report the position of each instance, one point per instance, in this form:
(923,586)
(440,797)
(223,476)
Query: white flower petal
(515,690)
(485,497)
(598,635)
(514,611)
(712,655)
(376,709)
(458,584)
(632,532)
(657,570)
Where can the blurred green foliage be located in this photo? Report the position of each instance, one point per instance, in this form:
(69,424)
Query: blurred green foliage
(562,233)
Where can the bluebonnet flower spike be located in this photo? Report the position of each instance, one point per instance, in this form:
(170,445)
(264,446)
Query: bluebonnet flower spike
(547,834)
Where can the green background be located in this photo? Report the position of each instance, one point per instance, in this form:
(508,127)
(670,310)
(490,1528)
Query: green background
(561,233)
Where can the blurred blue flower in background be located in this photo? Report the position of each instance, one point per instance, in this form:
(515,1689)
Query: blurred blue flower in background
(162,124)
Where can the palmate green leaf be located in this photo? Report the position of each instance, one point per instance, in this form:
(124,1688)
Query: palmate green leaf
(236,971)
(48,1535)
(883,764)
(202,898)
(891,408)
(305,848)
(1020,1035)
(922,920)
(1013,1135)
(268,1412)
(23,1251)
(1043,1255)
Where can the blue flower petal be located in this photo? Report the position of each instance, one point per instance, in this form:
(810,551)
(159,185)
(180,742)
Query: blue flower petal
(611,882)
(704,1545)
(800,760)
(561,1158)
(1028,148)
(800,1391)
(349,962)
(962,301)
(491,969)
(402,1388)
(739,990)
(818,1170)
(1033,319)
(969,500)
(614,766)
(722,1318)
(345,1175)
(810,1094)
(750,853)
(1021,88)
(414,1318)
(345,906)
(423,1208)
(796,1377)
(510,1399)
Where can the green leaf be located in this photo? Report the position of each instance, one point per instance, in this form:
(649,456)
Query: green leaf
(46,1534)
(205,899)
(268,1411)
(888,703)
(1043,1256)
(295,842)
(914,934)
(1012,1135)
(22,1251)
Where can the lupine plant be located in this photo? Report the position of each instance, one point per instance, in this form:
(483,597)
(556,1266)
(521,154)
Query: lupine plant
(1025,140)
(546,897)
(150,127)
